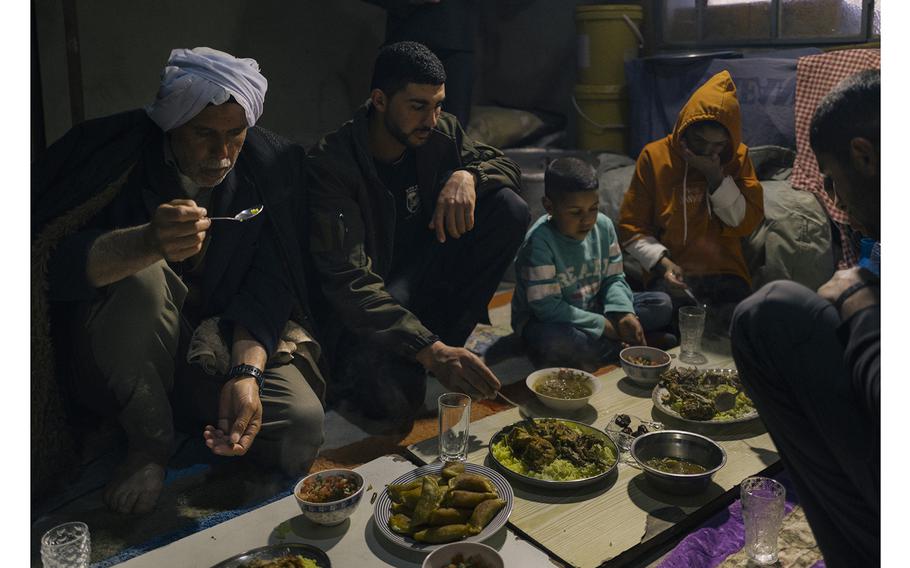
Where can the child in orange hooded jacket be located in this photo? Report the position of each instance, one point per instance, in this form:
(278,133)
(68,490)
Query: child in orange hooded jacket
(694,195)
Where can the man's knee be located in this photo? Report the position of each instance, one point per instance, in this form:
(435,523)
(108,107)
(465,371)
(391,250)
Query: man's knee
(302,441)
(137,322)
(658,307)
(509,213)
(294,444)
(148,293)
(293,418)
(773,308)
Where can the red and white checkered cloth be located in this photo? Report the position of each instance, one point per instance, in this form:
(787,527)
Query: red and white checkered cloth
(816,75)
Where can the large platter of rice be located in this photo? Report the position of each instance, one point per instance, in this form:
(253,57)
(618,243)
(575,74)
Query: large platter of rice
(559,473)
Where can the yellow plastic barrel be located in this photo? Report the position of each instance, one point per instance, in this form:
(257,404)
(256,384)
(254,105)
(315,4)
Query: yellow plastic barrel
(607,36)
(601,117)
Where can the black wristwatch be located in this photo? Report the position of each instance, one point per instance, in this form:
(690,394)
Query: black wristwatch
(247,371)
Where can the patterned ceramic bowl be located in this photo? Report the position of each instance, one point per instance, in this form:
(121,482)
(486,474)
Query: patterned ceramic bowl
(330,512)
(645,375)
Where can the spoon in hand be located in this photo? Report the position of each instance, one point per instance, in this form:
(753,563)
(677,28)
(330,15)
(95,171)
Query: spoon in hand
(244,215)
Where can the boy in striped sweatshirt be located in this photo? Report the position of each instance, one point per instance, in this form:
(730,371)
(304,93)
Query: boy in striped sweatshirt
(572,305)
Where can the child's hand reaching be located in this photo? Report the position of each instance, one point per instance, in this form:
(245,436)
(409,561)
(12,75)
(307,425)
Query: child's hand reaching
(630,330)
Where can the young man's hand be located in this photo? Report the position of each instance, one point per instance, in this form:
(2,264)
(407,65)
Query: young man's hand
(459,370)
(843,279)
(710,166)
(455,206)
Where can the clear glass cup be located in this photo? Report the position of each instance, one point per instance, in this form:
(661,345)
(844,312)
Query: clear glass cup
(762,502)
(691,328)
(66,546)
(454,421)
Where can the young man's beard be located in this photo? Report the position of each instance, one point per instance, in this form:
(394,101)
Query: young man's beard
(398,134)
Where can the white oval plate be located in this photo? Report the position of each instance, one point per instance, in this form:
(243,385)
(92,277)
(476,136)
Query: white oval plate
(657,398)
(382,510)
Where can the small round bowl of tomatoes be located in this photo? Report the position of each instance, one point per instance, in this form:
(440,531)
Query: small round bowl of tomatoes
(329,497)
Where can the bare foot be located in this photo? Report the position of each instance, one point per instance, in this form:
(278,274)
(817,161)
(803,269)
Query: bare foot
(136,485)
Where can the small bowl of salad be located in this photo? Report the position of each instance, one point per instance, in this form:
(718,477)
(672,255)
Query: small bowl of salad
(643,365)
(329,497)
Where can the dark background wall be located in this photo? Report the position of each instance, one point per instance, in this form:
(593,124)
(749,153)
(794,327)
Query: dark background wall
(317,55)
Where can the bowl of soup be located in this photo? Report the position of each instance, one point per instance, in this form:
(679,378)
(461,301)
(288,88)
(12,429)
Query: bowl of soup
(676,461)
(562,388)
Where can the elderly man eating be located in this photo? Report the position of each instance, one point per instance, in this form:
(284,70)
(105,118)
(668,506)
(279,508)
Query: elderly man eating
(159,312)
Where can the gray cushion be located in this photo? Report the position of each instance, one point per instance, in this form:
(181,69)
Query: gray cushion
(794,240)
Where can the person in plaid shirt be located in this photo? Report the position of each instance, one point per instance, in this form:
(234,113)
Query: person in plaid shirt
(810,361)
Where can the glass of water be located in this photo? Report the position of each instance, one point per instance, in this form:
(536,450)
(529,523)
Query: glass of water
(454,419)
(66,546)
(691,328)
(762,502)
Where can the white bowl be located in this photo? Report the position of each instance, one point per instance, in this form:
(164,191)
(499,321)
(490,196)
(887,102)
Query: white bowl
(644,375)
(563,403)
(332,512)
(442,556)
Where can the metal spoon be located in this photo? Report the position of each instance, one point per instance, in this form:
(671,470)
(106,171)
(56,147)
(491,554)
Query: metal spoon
(692,297)
(244,215)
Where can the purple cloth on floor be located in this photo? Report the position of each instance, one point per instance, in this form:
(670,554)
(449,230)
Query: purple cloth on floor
(722,535)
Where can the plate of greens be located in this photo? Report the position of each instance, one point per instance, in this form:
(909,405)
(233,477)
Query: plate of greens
(292,555)
(554,453)
(703,396)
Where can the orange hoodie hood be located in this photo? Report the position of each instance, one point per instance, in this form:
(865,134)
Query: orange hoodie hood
(714,100)
(669,203)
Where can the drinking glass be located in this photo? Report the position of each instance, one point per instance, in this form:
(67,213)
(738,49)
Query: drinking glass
(691,328)
(454,418)
(762,502)
(66,546)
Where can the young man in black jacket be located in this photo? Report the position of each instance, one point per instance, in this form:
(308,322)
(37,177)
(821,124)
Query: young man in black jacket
(412,227)
(811,361)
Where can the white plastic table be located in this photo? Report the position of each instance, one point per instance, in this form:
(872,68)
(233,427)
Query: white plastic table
(355,543)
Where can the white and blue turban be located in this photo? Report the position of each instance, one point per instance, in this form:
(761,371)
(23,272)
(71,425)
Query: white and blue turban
(195,78)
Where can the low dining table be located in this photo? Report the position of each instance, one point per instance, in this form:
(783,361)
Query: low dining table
(620,520)
(355,543)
